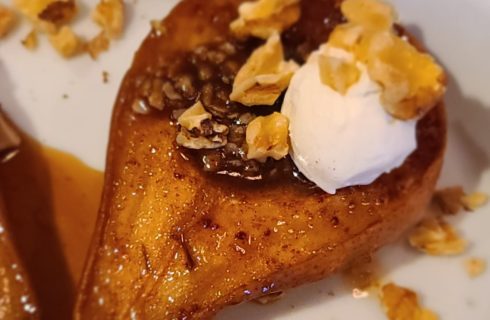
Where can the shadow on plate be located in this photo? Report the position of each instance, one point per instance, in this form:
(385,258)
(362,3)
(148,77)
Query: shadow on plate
(25,184)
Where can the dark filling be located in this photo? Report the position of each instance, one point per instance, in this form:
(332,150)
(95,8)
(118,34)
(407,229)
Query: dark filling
(207,74)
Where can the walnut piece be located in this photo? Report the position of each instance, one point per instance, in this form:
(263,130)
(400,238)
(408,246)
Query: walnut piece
(449,199)
(403,304)
(66,42)
(412,82)
(7,20)
(338,73)
(264,76)
(194,116)
(199,131)
(472,202)
(109,15)
(30,41)
(475,267)
(31,9)
(268,137)
(98,45)
(263,18)
(59,12)
(436,237)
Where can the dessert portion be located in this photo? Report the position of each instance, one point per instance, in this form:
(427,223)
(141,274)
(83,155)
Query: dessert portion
(206,200)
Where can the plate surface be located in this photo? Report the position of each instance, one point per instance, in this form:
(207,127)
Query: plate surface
(65,104)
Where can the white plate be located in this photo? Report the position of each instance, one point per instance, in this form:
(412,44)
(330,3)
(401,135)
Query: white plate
(32,86)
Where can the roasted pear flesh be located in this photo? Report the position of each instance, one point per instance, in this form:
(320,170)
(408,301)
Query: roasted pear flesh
(176,243)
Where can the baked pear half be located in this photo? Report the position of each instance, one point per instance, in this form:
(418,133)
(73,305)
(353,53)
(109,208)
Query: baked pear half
(177,238)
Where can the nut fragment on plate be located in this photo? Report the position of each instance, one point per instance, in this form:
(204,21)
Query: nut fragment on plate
(263,18)
(264,76)
(30,41)
(268,137)
(66,42)
(7,20)
(97,45)
(475,267)
(59,12)
(448,200)
(473,201)
(40,14)
(412,82)
(199,131)
(109,15)
(436,237)
(403,304)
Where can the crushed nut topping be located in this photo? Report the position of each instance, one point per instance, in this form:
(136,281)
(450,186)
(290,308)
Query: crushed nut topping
(98,45)
(474,201)
(436,237)
(264,76)
(7,20)
(475,267)
(448,200)
(403,304)
(66,42)
(263,18)
(268,137)
(32,10)
(193,116)
(59,12)
(109,14)
(30,41)
(199,131)
(412,81)
(339,74)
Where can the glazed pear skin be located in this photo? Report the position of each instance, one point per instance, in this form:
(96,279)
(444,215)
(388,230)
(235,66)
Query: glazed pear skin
(176,243)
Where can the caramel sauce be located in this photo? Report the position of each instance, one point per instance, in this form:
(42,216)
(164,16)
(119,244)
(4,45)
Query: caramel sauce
(51,201)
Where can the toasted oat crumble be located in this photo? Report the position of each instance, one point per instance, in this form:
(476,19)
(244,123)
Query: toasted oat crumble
(7,20)
(435,236)
(264,76)
(263,18)
(403,304)
(475,267)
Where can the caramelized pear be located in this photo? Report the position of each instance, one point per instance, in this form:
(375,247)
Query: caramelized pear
(174,242)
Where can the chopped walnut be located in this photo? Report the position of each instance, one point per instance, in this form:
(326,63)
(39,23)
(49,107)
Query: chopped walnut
(474,201)
(109,14)
(264,76)
(403,304)
(411,80)
(268,137)
(449,199)
(30,41)
(7,20)
(436,237)
(158,27)
(338,73)
(199,131)
(193,116)
(59,12)
(32,9)
(98,45)
(475,267)
(263,18)
(66,42)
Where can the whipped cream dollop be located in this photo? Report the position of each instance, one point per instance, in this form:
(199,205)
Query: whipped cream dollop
(343,140)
